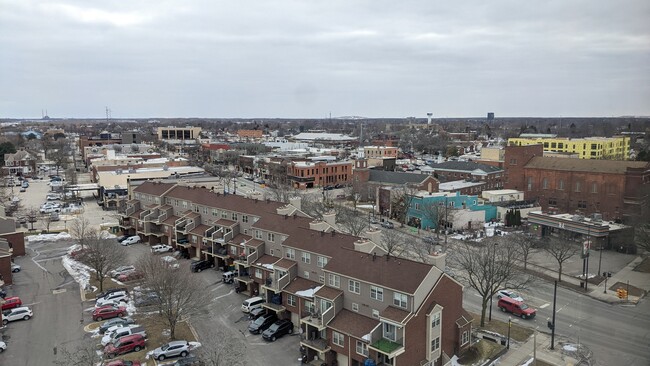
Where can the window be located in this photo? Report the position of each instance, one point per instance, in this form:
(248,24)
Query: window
(354,286)
(377,293)
(578,186)
(362,348)
(338,338)
(545,183)
(322,262)
(355,306)
(513,161)
(552,202)
(582,204)
(291,253)
(258,234)
(435,320)
(258,273)
(400,300)
(305,274)
(435,344)
(375,313)
(334,280)
(215,213)
(234,216)
(560,185)
(529,185)
(306,257)
(184,204)
(321,279)
(594,187)
(224,215)
(271,237)
(464,338)
(390,332)
(291,300)
(244,218)
(193,238)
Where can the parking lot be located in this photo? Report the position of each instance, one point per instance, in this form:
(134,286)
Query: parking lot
(60,315)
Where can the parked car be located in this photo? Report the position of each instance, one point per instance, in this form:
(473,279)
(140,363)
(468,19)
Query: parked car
(146,299)
(122,238)
(198,266)
(115,297)
(387,225)
(182,241)
(515,307)
(107,312)
(3,346)
(256,313)
(172,349)
(133,343)
(15,268)
(510,294)
(115,321)
(21,313)
(22,189)
(121,270)
(374,220)
(111,290)
(113,302)
(260,324)
(53,196)
(170,261)
(3,293)
(122,332)
(278,329)
(131,240)
(161,248)
(130,276)
(108,334)
(11,302)
(189,361)
(123,363)
(49,209)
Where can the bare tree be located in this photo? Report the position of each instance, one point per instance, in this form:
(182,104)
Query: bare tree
(393,242)
(401,202)
(281,192)
(47,220)
(490,268)
(225,349)
(642,236)
(561,250)
(526,244)
(83,354)
(103,256)
(351,221)
(81,230)
(314,206)
(181,294)
(32,216)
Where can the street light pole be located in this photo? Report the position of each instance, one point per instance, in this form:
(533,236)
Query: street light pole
(509,326)
(492,274)
(553,324)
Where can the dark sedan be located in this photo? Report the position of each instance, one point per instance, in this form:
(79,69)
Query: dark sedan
(260,324)
(278,329)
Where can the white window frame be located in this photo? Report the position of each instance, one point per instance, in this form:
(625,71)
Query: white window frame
(362,349)
(270,236)
(305,257)
(354,286)
(291,300)
(377,293)
(334,280)
(464,338)
(338,339)
(321,261)
(435,344)
(291,253)
(355,307)
(386,334)
(435,320)
(401,300)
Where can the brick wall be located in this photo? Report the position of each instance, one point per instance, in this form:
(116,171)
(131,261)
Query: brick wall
(515,158)
(16,242)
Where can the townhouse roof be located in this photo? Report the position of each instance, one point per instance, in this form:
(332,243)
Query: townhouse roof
(328,244)
(394,314)
(387,271)
(192,215)
(266,261)
(465,318)
(281,224)
(328,293)
(301,286)
(353,324)
(200,229)
(171,220)
(224,222)
(466,166)
(240,239)
(285,263)
(396,177)
(586,165)
(254,242)
(153,188)
(230,202)
(136,214)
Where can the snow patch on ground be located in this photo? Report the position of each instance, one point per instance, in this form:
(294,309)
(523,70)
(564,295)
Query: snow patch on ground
(569,348)
(529,362)
(80,272)
(48,237)
(106,235)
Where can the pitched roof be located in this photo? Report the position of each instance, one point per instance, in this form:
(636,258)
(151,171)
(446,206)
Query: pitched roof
(394,314)
(585,165)
(171,220)
(396,177)
(314,241)
(203,196)
(353,324)
(466,166)
(328,293)
(285,263)
(153,188)
(200,229)
(387,271)
(266,259)
(300,284)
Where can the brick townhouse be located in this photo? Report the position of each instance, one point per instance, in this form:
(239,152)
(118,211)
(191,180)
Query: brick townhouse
(349,300)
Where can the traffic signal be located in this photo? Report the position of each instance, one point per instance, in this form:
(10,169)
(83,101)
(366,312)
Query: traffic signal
(621,293)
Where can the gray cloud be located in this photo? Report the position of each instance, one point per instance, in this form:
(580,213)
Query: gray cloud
(306,59)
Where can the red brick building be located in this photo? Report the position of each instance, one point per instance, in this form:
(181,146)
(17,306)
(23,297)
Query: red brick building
(319,174)
(612,188)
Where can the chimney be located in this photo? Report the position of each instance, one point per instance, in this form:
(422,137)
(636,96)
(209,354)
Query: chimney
(374,256)
(330,218)
(374,235)
(296,202)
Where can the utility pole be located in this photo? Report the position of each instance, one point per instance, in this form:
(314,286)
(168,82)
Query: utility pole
(552,325)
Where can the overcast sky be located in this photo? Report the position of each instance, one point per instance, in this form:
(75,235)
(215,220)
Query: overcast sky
(306,58)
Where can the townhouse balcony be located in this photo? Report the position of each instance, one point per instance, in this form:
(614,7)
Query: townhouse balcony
(318,319)
(125,222)
(277,285)
(152,215)
(247,260)
(278,308)
(209,232)
(161,218)
(190,226)
(144,214)
(387,347)
(129,210)
(180,224)
(317,344)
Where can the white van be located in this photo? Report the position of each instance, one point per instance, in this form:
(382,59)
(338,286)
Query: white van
(252,303)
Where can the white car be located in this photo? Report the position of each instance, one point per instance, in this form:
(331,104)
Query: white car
(21,313)
(122,270)
(131,240)
(53,196)
(170,261)
(113,296)
(49,209)
(15,267)
(113,302)
(110,332)
(3,346)
(510,294)
(161,248)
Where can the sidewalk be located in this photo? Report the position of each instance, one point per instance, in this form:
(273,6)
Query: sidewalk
(522,353)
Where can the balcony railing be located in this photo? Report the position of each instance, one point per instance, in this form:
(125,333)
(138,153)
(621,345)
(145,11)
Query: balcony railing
(387,346)
(130,210)
(151,216)
(162,217)
(180,224)
(144,214)
(208,233)
(318,344)
(190,226)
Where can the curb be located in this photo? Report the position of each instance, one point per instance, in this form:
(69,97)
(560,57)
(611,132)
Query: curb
(196,337)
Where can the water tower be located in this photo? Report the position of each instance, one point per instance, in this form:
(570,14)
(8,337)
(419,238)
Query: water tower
(429,115)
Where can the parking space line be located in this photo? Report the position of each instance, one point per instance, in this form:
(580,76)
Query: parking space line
(545,305)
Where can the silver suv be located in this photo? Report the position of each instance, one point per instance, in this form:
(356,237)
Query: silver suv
(172,349)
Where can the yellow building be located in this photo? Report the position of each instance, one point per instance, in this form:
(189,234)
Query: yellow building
(607,148)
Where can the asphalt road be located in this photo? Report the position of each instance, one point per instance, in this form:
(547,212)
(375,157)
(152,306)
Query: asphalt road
(617,335)
(46,287)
